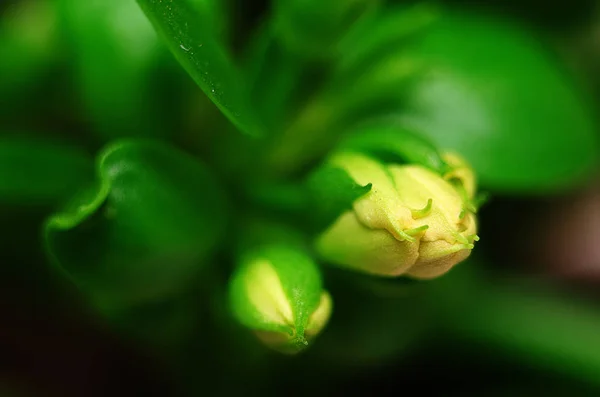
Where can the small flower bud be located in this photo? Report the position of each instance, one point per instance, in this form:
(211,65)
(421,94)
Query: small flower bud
(412,222)
(277,292)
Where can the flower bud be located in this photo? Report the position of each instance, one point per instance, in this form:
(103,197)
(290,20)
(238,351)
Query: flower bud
(460,172)
(277,292)
(412,222)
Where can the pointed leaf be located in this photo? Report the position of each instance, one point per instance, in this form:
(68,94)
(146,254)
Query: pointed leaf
(332,192)
(312,28)
(188,29)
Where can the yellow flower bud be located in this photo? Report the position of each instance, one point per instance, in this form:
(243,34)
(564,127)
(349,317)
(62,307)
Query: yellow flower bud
(277,293)
(461,172)
(413,221)
(286,343)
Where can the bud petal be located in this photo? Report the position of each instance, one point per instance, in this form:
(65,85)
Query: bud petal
(352,244)
(266,294)
(460,171)
(413,221)
(379,208)
(318,320)
(277,292)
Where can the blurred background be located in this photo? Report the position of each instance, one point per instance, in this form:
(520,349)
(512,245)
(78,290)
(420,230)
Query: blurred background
(77,78)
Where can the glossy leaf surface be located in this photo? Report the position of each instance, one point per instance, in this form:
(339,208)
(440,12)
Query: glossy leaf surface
(496,95)
(332,191)
(188,29)
(143,230)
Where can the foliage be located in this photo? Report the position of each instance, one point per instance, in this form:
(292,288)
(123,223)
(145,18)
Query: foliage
(150,142)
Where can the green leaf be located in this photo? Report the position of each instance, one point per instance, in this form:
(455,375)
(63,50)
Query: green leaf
(371,68)
(34,171)
(120,68)
(274,75)
(28,46)
(357,86)
(389,140)
(389,28)
(495,94)
(188,29)
(332,192)
(143,230)
(313,28)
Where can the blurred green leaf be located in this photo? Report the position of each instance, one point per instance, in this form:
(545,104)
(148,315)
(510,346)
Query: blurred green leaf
(352,90)
(119,67)
(143,230)
(188,29)
(224,18)
(389,28)
(343,101)
(277,79)
(28,45)
(495,94)
(274,75)
(372,69)
(312,28)
(34,171)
